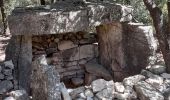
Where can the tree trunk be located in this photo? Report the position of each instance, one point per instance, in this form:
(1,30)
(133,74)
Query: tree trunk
(157,18)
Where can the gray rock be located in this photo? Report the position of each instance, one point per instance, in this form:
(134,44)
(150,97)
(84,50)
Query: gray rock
(76,92)
(82,95)
(5,86)
(9,64)
(9,98)
(1,76)
(19,95)
(121,96)
(88,93)
(146,92)
(10,77)
(77,81)
(167,94)
(64,45)
(45,80)
(52,23)
(156,81)
(98,85)
(64,92)
(119,87)
(104,95)
(147,74)
(89,98)
(165,75)
(7,71)
(98,70)
(157,69)
(132,80)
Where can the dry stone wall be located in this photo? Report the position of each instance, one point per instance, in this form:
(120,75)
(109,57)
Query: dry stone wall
(67,52)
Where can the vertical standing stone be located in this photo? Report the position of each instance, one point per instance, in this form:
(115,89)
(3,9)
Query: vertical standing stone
(45,82)
(20,51)
(110,48)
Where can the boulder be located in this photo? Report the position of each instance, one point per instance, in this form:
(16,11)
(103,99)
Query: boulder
(76,92)
(121,96)
(157,69)
(1,76)
(9,64)
(7,71)
(147,74)
(64,92)
(98,85)
(119,87)
(88,93)
(64,45)
(156,81)
(146,92)
(19,95)
(5,86)
(98,70)
(165,75)
(132,80)
(105,94)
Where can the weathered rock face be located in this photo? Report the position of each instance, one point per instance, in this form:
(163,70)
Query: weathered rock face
(45,81)
(139,46)
(61,17)
(125,48)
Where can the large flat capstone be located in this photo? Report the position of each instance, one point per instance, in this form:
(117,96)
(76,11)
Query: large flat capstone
(65,17)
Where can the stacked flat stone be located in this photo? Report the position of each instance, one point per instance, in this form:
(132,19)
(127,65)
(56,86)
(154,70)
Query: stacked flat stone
(68,52)
(6,77)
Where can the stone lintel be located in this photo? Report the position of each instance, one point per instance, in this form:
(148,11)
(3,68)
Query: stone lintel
(57,19)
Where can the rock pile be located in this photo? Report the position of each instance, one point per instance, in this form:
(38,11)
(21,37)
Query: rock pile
(7,81)
(144,86)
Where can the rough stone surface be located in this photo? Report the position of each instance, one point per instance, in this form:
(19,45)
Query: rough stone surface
(61,18)
(7,72)
(98,85)
(88,93)
(76,91)
(19,95)
(139,46)
(98,70)
(132,80)
(157,69)
(119,87)
(63,45)
(45,81)
(165,75)
(146,92)
(9,64)
(5,86)
(64,92)
(77,81)
(1,76)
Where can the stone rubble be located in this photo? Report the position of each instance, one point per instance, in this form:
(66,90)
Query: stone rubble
(144,86)
(6,77)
